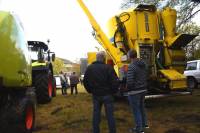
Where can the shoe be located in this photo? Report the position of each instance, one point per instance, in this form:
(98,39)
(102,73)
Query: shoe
(146,126)
(133,130)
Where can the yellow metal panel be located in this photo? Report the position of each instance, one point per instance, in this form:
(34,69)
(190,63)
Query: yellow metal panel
(178,85)
(177,81)
(169,21)
(116,68)
(141,25)
(129,23)
(172,74)
(91,57)
(177,54)
(147,25)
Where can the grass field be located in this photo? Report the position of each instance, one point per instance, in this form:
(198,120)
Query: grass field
(73,114)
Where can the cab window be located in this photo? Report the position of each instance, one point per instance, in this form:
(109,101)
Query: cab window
(191,66)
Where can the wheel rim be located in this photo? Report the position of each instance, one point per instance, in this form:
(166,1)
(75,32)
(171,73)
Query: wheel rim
(29,118)
(50,86)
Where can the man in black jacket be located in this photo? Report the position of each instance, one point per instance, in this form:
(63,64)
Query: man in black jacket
(101,80)
(137,88)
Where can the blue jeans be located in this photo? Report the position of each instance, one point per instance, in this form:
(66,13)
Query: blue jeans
(98,101)
(138,108)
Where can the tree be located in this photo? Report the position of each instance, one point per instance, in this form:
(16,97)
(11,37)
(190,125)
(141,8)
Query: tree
(58,65)
(193,48)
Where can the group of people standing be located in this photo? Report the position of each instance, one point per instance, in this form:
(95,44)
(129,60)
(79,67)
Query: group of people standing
(102,82)
(73,79)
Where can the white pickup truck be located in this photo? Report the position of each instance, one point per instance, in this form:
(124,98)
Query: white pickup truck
(58,81)
(192,73)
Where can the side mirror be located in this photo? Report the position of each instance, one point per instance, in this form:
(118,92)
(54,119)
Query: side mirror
(53,57)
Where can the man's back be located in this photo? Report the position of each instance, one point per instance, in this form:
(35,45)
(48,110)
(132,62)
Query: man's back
(136,76)
(100,79)
(74,79)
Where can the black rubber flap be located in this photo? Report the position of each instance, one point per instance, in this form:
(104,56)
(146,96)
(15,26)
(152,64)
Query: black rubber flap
(182,41)
(142,7)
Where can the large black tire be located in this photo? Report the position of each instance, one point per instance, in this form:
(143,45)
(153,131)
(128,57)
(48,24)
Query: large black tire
(192,83)
(54,87)
(43,85)
(18,115)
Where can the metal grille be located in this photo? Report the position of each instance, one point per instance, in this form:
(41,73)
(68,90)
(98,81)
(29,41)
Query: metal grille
(146,54)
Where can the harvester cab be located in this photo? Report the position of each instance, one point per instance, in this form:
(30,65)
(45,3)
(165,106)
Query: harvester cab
(40,52)
(42,71)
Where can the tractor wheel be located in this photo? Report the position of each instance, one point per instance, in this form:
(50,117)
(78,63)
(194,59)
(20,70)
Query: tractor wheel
(18,116)
(27,121)
(43,86)
(54,87)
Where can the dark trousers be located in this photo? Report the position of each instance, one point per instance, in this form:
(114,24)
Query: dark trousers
(74,86)
(98,101)
(138,107)
(64,89)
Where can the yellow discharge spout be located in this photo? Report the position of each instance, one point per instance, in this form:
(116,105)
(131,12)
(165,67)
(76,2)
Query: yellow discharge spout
(114,53)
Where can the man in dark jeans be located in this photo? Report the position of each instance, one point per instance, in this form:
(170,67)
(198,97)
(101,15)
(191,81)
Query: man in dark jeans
(137,88)
(101,80)
(74,80)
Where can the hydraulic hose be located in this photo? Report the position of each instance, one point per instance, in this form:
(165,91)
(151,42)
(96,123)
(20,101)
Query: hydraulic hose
(121,29)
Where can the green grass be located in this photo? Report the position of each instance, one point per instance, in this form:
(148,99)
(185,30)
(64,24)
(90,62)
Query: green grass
(73,114)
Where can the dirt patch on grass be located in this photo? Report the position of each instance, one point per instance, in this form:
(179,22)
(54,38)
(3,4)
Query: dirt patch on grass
(189,118)
(75,123)
(175,130)
(55,111)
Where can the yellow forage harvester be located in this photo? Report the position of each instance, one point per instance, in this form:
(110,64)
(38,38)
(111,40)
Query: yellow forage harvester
(152,33)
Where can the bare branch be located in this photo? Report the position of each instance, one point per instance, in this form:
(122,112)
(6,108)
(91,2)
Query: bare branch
(187,19)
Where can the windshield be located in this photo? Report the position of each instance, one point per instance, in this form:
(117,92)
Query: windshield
(191,66)
(33,53)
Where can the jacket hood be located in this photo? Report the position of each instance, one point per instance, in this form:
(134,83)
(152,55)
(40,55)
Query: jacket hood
(139,63)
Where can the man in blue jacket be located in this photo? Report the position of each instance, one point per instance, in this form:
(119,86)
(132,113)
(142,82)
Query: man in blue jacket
(101,80)
(137,88)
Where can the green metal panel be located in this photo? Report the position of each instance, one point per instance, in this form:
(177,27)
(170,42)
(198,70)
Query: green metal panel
(15,65)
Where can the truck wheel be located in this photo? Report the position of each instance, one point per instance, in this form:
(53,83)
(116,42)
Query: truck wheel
(43,85)
(54,87)
(27,122)
(18,116)
(192,84)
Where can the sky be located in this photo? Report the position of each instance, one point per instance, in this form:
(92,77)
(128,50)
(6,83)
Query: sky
(63,22)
